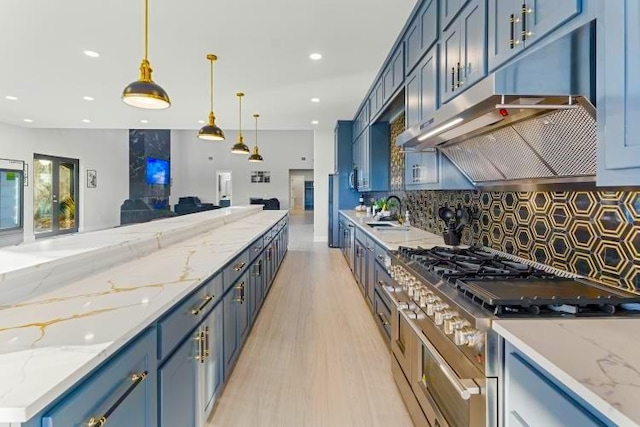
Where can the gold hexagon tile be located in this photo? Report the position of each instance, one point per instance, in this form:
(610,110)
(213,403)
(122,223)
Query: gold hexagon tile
(631,243)
(541,228)
(524,213)
(610,220)
(582,234)
(582,264)
(582,203)
(524,239)
(610,257)
(560,246)
(560,216)
(541,202)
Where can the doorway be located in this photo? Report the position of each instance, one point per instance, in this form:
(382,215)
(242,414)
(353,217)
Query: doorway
(224,188)
(55,195)
(297,192)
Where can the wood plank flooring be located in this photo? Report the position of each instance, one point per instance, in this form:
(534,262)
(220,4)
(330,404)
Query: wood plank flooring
(315,356)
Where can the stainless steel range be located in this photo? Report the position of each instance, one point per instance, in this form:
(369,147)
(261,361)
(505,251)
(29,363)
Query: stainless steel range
(446,299)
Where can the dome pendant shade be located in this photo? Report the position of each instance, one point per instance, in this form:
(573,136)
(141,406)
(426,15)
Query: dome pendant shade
(240,147)
(144,92)
(210,131)
(256,157)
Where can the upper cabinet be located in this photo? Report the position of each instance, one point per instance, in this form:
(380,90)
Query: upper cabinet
(432,170)
(449,10)
(618,41)
(371,157)
(421,90)
(421,34)
(515,25)
(393,76)
(362,120)
(463,47)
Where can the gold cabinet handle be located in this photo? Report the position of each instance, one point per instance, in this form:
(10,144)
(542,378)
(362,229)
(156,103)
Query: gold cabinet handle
(207,350)
(201,355)
(459,82)
(384,321)
(239,266)
(240,287)
(453,79)
(135,379)
(524,12)
(198,310)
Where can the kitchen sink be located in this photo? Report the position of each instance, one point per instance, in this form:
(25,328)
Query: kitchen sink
(386,225)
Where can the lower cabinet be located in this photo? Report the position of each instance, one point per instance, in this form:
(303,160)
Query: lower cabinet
(532,399)
(256,287)
(122,393)
(233,324)
(211,373)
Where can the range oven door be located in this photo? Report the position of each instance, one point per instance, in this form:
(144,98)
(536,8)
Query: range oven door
(448,398)
(402,339)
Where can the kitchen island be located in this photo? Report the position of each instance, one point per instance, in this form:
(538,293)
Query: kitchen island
(54,337)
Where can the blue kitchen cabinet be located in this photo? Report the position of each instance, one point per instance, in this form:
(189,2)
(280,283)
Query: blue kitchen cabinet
(255,288)
(361,121)
(532,398)
(618,101)
(463,47)
(515,25)
(243,308)
(421,34)
(393,75)
(230,330)
(124,391)
(372,151)
(449,9)
(178,379)
(211,371)
(432,170)
(422,90)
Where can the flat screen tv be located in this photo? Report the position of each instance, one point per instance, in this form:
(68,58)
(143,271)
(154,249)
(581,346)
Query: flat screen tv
(157,171)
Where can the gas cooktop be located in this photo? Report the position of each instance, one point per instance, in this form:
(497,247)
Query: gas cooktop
(506,286)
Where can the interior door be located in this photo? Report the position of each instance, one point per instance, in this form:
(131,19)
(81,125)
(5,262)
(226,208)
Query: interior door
(55,195)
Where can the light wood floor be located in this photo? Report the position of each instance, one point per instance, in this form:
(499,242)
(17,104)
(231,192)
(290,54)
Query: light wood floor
(314,356)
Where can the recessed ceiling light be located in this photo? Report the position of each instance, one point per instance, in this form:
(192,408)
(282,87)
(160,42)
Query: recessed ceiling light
(11,98)
(91,54)
(315,100)
(86,121)
(28,121)
(314,122)
(315,57)
(144,121)
(201,122)
(88,98)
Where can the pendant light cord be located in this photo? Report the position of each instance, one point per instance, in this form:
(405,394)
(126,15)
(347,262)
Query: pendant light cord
(256,116)
(240,110)
(211,86)
(146,29)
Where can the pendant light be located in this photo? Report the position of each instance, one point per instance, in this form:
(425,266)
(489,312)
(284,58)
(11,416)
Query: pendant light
(144,92)
(210,131)
(255,157)
(240,147)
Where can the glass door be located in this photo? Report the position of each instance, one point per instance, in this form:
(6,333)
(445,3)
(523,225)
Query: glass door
(10,199)
(55,195)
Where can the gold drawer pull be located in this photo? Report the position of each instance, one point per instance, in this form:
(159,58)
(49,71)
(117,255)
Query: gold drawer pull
(198,310)
(239,267)
(136,379)
(384,321)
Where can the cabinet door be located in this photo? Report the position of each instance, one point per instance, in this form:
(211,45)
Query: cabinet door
(230,330)
(619,94)
(448,11)
(504,32)
(178,385)
(387,82)
(540,17)
(114,392)
(421,168)
(211,372)
(422,34)
(450,69)
(244,295)
(398,68)
(473,47)
(412,99)
(371,263)
(428,70)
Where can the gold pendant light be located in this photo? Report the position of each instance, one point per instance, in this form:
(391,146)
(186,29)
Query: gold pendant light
(255,157)
(144,92)
(240,147)
(210,131)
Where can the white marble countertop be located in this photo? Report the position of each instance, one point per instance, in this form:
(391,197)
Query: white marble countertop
(392,239)
(598,359)
(29,269)
(49,342)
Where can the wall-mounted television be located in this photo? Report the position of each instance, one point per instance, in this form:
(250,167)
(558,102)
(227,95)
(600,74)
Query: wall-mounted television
(157,171)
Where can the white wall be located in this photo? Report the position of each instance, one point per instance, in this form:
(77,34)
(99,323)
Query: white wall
(106,151)
(195,175)
(323,165)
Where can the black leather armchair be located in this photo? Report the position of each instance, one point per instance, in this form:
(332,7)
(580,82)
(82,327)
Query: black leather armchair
(192,204)
(269,204)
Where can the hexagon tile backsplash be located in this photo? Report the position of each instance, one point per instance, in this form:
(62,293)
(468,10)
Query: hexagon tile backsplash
(594,234)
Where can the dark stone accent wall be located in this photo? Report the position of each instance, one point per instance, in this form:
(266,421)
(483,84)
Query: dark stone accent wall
(595,234)
(143,143)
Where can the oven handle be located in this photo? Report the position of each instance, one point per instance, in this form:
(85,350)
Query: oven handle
(465,387)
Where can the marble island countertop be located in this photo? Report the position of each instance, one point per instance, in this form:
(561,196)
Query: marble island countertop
(29,269)
(598,359)
(392,239)
(50,341)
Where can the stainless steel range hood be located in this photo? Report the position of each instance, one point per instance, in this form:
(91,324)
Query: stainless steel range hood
(531,121)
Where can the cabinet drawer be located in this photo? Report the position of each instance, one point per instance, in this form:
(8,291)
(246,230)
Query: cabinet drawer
(381,254)
(255,249)
(124,390)
(382,313)
(173,328)
(234,270)
(361,236)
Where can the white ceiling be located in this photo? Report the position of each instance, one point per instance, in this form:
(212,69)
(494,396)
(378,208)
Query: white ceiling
(263,49)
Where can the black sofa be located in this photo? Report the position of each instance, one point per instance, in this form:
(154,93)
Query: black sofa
(134,211)
(192,204)
(269,204)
